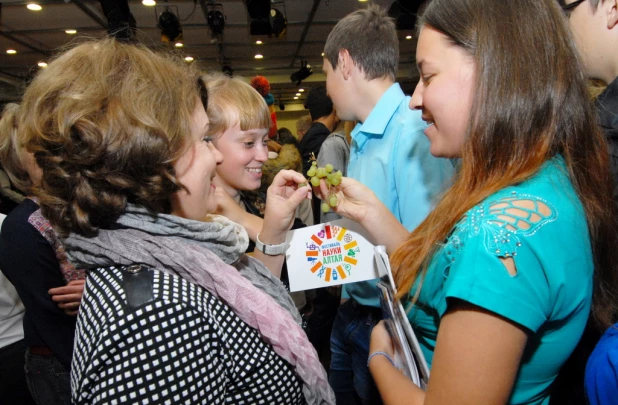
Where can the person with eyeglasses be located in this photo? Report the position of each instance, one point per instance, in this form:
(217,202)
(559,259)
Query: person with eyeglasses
(568,7)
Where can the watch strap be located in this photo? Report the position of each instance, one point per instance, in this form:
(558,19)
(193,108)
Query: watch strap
(270,250)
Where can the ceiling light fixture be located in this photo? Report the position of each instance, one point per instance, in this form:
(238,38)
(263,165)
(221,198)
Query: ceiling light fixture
(171,31)
(295,98)
(42,64)
(278,23)
(259,56)
(34,7)
(11,51)
(301,90)
(408,36)
(71,32)
(258,42)
(301,74)
(216,22)
(178,44)
(298,94)
(322,53)
(266,20)
(189,59)
(149,3)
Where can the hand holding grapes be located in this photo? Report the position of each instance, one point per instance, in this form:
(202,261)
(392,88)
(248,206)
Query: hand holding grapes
(286,192)
(345,196)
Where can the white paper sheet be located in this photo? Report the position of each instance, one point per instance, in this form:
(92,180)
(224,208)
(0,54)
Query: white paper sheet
(330,254)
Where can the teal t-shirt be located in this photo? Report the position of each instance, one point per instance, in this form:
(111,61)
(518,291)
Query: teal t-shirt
(541,224)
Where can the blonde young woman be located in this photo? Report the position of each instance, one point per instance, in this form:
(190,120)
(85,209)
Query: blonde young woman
(501,274)
(173,311)
(239,123)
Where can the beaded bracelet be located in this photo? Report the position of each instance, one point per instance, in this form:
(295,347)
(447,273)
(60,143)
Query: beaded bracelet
(383,354)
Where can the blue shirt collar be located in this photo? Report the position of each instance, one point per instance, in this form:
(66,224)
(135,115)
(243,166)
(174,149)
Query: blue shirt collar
(382,113)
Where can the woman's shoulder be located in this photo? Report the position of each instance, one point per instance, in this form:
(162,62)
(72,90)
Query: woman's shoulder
(546,197)
(119,283)
(17,219)
(551,181)
(183,321)
(536,211)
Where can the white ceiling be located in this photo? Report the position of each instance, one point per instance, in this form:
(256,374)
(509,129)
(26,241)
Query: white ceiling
(36,35)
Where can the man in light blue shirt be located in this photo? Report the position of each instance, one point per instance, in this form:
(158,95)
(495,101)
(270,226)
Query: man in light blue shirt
(389,154)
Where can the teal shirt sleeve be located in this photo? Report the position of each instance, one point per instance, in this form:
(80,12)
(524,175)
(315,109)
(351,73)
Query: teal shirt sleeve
(479,277)
(550,253)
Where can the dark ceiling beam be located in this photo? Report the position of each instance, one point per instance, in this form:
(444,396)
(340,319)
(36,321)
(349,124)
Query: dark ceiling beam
(314,9)
(244,44)
(25,44)
(184,26)
(53,30)
(245,25)
(87,10)
(11,79)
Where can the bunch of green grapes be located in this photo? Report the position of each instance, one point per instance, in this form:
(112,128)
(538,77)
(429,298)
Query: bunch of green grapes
(332,178)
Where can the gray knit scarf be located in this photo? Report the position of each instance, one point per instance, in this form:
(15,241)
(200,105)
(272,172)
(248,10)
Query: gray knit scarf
(211,255)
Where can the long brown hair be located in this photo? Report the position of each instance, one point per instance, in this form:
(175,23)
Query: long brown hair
(531,104)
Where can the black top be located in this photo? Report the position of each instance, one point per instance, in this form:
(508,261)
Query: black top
(607,110)
(311,143)
(184,346)
(30,264)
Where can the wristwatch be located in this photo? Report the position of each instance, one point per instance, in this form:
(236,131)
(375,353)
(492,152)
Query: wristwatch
(270,250)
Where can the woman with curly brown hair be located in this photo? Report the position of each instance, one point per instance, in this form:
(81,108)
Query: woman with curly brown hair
(173,311)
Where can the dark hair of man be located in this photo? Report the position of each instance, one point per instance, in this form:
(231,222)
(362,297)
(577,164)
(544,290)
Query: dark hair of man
(370,37)
(531,104)
(285,137)
(318,103)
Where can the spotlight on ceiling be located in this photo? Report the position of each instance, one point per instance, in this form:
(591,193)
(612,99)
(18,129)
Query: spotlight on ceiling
(301,74)
(278,23)
(120,22)
(216,22)
(258,11)
(266,20)
(171,31)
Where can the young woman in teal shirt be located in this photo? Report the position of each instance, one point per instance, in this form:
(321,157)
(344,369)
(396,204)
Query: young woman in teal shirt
(502,272)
